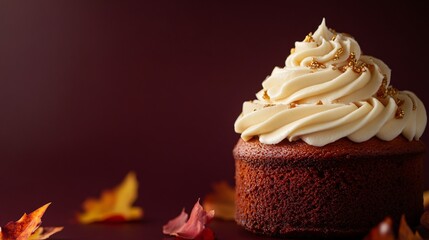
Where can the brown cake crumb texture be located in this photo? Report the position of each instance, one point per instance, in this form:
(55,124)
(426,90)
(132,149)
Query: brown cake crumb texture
(339,190)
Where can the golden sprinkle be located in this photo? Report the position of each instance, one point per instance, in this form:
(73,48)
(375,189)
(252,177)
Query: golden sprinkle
(265,96)
(334,37)
(338,53)
(268,105)
(354,64)
(309,38)
(382,93)
(360,68)
(399,113)
(315,64)
(319,102)
(391,91)
(292,105)
(388,91)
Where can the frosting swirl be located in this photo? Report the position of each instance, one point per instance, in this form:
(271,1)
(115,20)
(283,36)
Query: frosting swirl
(329,90)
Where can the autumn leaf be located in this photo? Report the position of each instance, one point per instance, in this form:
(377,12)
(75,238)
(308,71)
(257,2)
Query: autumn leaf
(44,232)
(192,228)
(383,231)
(27,227)
(426,199)
(424,220)
(207,234)
(114,205)
(222,200)
(405,232)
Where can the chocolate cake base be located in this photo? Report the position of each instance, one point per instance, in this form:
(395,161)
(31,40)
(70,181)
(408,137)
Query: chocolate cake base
(340,190)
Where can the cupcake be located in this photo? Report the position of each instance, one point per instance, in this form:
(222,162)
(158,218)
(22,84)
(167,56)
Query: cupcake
(329,147)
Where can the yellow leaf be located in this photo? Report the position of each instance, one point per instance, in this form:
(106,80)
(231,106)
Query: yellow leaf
(45,232)
(222,201)
(114,205)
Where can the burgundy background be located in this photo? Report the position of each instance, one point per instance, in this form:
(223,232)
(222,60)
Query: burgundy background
(90,90)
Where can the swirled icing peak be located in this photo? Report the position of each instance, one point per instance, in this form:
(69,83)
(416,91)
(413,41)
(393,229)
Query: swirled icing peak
(328,90)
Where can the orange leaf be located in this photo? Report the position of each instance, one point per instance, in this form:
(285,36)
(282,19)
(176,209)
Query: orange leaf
(426,199)
(405,232)
(114,205)
(383,231)
(222,200)
(424,220)
(26,227)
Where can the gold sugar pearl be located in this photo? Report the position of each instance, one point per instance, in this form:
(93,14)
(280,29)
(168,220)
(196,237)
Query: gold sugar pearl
(292,105)
(399,113)
(359,67)
(388,91)
(265,96)
(382,93)
(354,64)
(392,91)
(315,64)
(309,38)
(338,53)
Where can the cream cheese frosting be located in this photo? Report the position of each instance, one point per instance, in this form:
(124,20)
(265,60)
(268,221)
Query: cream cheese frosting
(329,90)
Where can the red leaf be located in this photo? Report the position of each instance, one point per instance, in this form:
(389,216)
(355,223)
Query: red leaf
(383,231)
(207,234)
(194,227)
(174,225)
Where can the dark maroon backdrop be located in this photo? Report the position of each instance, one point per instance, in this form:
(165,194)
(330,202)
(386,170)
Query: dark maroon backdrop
(92,89)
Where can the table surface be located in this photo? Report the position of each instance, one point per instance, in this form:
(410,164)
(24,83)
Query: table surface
(148,229)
